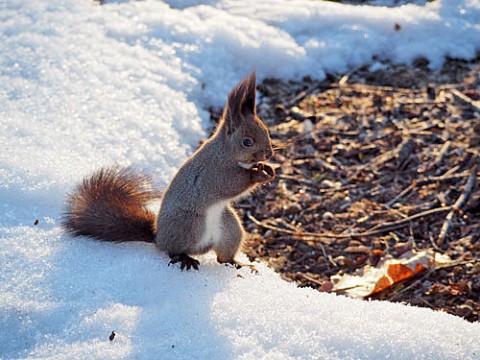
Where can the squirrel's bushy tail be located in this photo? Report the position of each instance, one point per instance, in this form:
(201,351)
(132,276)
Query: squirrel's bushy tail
(111,205)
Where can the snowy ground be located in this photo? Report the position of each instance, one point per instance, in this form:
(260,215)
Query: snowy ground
(83,86)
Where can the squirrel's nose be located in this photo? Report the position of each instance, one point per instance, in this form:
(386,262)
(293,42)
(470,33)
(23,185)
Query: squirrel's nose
(264,155)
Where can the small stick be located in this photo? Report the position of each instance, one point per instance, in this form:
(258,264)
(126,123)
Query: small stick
(380,88)
(432,241)
(442,153)
(303,94)
(295,178)
(400,223)
(325,256)
(421,182)
(458,205)
(376,230)
(464,98)
(322,190)
(309,278)
(402,193)
(415,283)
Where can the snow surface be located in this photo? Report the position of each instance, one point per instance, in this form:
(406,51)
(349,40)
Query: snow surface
(128,83)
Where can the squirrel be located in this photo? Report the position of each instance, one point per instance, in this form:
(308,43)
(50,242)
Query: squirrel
(196,213)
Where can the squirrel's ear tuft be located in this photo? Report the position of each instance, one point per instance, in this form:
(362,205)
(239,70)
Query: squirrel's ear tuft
(248,87)
(241,102)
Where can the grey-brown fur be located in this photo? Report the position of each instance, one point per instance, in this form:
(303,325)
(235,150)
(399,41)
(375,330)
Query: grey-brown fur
(196,204)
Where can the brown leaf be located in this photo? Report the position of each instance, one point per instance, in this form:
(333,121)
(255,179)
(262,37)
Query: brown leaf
(372,280)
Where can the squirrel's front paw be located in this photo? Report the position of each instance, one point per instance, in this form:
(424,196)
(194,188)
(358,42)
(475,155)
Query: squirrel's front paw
(263,173)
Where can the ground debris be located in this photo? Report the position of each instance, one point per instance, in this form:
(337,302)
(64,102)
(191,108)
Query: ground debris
(374,279)
(369,171)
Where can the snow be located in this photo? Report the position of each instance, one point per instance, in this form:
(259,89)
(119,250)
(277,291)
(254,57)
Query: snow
(82,86)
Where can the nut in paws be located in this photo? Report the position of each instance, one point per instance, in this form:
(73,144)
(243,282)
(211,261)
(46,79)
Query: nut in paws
(263,173)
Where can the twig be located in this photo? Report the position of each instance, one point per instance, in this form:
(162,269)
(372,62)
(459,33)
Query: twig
(319,132)
(296,179)
(400,223)
(432,241)
(356,87)
(421,182)
(309,278)
(376,230)
(323,190)
(458,263)
(427,303)
(402,193)
(442,152)
(415,283)
(458,205)
(325,256)
(305,93)
(465,99)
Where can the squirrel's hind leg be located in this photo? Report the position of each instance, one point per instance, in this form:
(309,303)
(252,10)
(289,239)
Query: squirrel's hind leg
(185,261)
(232,237)
(176,236)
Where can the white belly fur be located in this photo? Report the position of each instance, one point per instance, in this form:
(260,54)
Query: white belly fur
(213,225)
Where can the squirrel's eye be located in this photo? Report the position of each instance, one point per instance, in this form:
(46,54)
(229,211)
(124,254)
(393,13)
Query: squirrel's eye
(247,142)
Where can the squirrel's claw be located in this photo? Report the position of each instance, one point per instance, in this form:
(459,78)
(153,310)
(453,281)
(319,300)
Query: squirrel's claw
(185,261)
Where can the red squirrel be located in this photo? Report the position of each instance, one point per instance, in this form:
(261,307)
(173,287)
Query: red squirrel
(196,213)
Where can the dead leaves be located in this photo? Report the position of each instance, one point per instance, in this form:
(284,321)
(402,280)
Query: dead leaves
(372,280)
(368,174)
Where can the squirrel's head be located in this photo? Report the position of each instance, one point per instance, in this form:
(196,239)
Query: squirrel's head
(246,135)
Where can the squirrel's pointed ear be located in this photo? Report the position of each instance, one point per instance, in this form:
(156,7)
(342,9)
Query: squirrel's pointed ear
(240,103)
(248,86)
